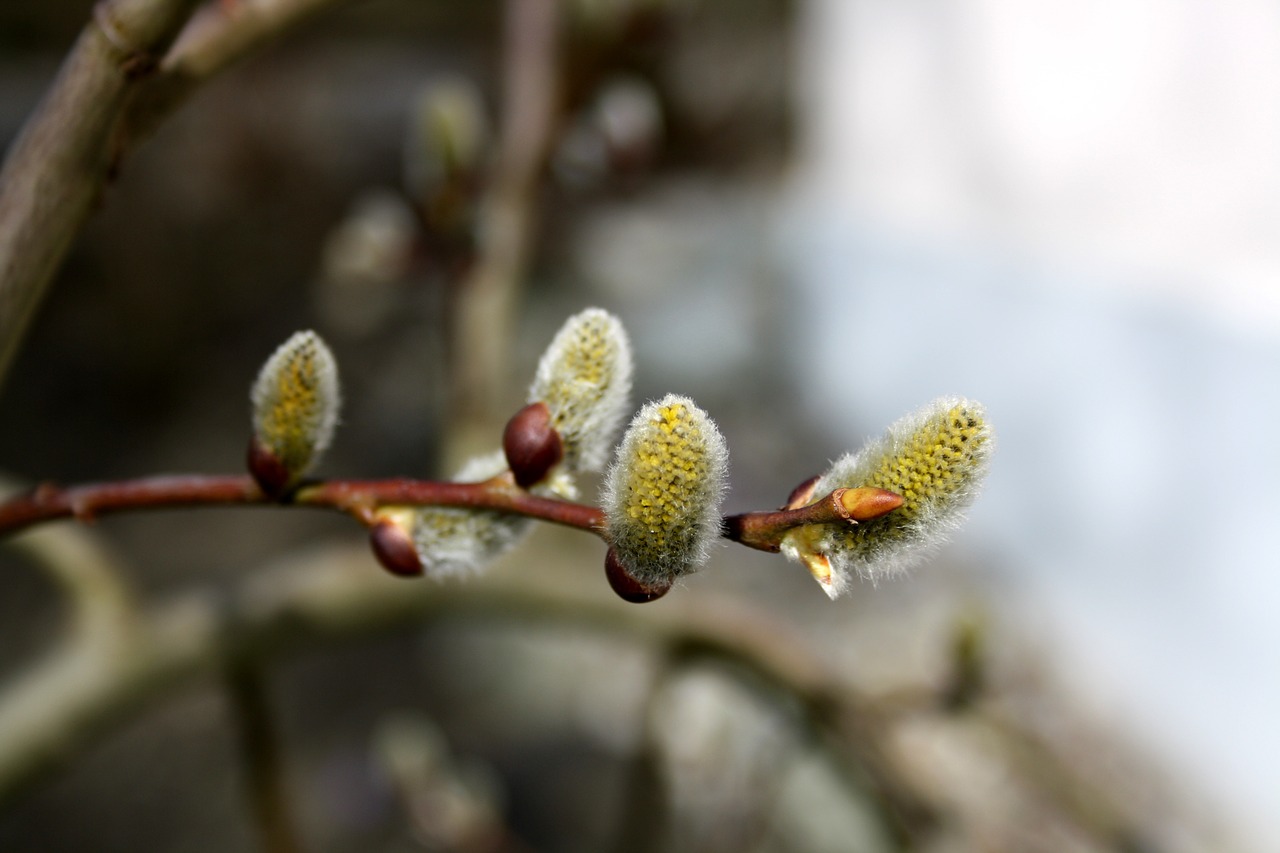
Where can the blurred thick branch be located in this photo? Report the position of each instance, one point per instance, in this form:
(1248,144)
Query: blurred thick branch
(47,703)
(124,75)
(332,595)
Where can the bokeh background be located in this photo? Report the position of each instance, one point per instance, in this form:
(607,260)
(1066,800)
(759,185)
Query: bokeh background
(1069,210)
(813,216)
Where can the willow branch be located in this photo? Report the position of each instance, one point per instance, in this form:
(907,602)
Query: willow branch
(358,498)
(56,169)
(117,84)
(215,39)
(764,530)
(361,498)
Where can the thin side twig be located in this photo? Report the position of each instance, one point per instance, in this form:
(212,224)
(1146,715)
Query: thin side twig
(215,39)
(50,502)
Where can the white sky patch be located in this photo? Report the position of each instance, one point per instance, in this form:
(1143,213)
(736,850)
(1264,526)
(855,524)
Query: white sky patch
(1070,211)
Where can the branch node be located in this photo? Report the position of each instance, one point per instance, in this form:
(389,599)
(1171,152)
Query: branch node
(136,62)
(82,509)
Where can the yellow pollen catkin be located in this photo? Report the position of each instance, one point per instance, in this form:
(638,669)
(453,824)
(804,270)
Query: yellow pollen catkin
(935,459)
(584,378)
(664,489)
(296,400)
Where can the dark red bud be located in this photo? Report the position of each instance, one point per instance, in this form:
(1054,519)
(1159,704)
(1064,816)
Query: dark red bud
(267,469)
(626,585)
(532,445)
(801,494)
(394,549)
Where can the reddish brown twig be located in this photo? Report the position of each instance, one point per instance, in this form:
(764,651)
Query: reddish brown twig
(49,501)
(357,497)
(764,530)
(360,498)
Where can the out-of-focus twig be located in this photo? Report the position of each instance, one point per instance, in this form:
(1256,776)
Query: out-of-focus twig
(644,803)
(46,704)
(261,753)
(102,606)
(452,802)
(215,39)
(331,595)
(486,302)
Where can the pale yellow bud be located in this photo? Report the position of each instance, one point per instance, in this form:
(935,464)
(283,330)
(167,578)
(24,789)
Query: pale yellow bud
(295,407)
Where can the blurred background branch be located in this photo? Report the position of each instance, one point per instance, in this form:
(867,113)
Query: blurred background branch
(44,707)
(119,80)
(488,296)
(330,595)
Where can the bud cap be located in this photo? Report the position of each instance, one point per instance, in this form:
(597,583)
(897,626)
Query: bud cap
(391,539)
(628,588)
(532,446)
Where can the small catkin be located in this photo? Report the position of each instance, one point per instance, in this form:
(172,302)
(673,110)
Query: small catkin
(296,399)
(935,458)
(584,377)
(455,541)
(663,491)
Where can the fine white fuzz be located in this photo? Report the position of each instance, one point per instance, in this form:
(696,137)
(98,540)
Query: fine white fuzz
(663,491)
(456,541)
(584,377)
(935,458)
(296,399)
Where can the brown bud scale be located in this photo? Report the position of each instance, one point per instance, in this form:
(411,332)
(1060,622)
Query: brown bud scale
(393,547)
(626,585)
(802,494)
(267,469)
(531,444)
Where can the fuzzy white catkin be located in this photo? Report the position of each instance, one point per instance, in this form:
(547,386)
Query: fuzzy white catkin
(663,491)
(584,377)
(935,458)
(457,541)
(296,399)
